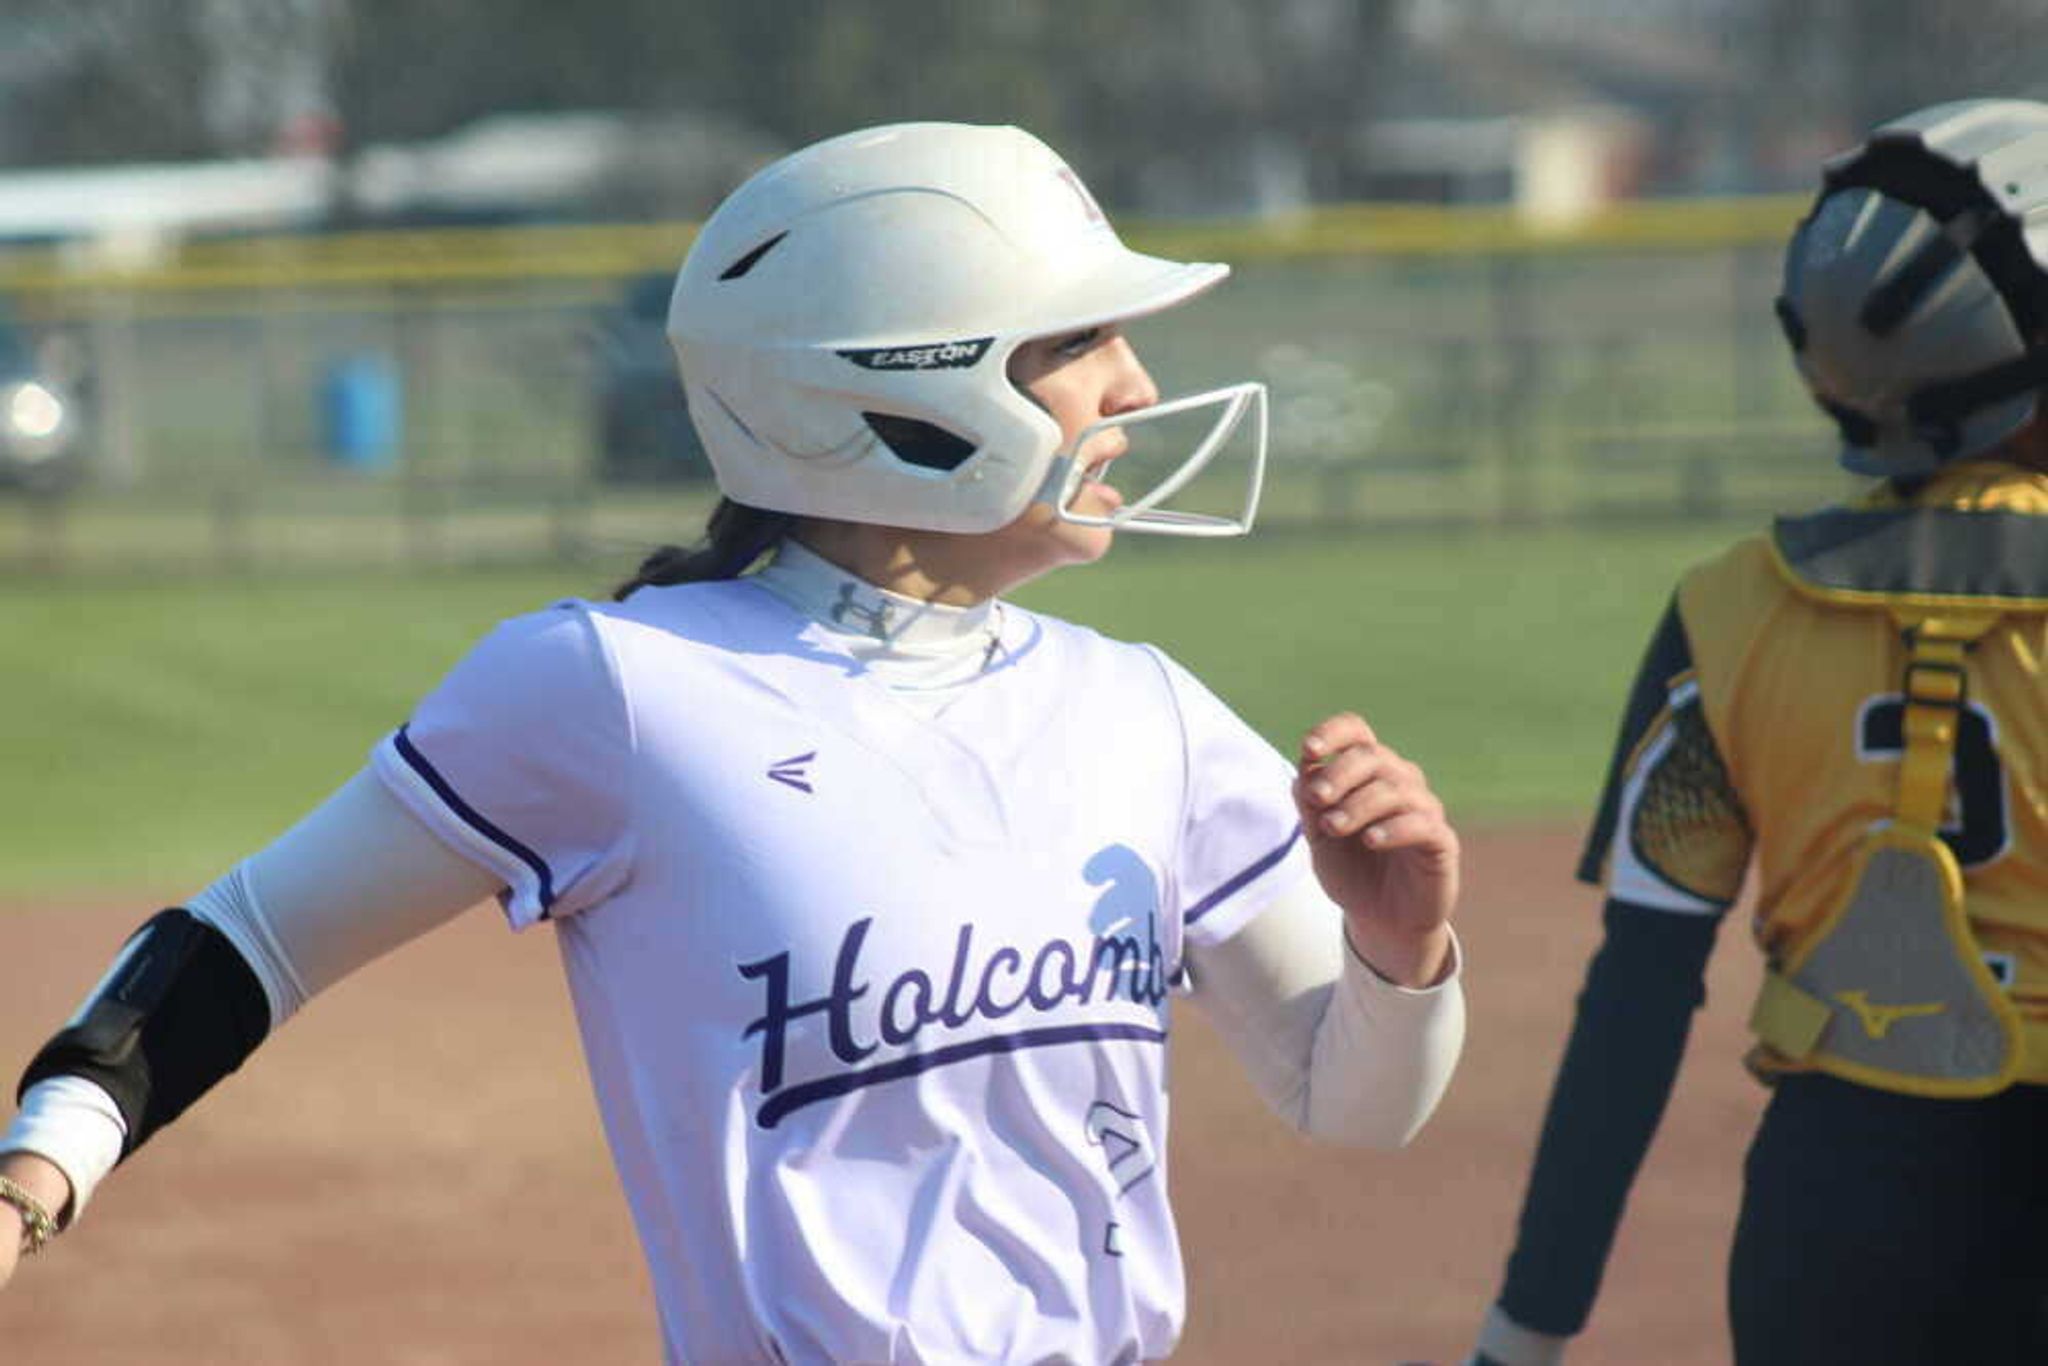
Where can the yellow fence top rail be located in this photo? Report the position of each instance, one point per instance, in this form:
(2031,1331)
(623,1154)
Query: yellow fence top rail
(475,255)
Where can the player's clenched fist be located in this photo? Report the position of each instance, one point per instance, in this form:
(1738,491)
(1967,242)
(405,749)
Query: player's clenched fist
(1382,847)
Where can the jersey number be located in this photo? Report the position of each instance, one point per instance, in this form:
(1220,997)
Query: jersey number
(1976,831)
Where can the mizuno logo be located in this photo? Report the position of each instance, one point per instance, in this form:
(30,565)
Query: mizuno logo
(1877,1021)
(952,355)
(790,772)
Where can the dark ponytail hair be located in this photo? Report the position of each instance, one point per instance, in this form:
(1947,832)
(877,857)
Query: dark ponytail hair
(735,536)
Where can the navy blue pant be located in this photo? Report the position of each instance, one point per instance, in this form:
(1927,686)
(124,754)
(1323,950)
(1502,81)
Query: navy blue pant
(1881,1229)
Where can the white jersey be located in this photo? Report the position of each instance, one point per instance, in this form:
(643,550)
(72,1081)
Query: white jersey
(875,1004)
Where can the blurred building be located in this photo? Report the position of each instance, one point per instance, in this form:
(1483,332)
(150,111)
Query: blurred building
(579,164)
(507,168)
(1555,168)
(1556,114)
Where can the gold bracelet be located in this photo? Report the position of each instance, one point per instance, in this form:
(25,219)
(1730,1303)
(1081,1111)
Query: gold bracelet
(37,1227)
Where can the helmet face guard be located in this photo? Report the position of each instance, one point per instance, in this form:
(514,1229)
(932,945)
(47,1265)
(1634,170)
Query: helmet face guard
(845,320)
(1915,296)
(1070,474)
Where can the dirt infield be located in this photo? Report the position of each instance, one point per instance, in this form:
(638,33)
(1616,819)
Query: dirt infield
(412,1173)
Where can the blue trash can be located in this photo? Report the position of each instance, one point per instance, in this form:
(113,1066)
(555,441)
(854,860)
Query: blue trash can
(362,412)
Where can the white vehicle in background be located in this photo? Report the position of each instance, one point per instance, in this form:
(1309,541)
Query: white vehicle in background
(42,412)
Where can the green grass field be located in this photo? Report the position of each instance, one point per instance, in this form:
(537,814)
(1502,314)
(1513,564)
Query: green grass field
(152,732)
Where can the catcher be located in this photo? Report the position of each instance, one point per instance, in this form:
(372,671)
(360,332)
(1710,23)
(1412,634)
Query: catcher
(1851,703)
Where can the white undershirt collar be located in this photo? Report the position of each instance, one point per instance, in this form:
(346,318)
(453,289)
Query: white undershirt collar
(905,642)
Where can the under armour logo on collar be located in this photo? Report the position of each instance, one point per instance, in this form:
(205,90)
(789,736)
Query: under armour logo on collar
(870,617)
(790,772)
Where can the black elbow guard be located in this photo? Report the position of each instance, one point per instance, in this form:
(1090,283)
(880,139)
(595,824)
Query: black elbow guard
(179,1011)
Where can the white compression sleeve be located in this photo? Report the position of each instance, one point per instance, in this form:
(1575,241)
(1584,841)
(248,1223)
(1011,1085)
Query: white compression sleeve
(1333,1048)
(356,878)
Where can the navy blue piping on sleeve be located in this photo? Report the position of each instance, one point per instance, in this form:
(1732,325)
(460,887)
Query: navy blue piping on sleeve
(1217,897)
(475,819)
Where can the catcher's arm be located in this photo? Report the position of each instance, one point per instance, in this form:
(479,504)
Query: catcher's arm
(1634,1014)
(1669,808)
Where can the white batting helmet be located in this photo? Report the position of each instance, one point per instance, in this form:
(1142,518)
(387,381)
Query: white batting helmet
(844,324)
(1916,292)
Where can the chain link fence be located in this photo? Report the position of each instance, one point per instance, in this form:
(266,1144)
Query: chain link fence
(457,397)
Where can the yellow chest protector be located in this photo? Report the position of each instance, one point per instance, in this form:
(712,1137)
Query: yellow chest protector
(1889,987)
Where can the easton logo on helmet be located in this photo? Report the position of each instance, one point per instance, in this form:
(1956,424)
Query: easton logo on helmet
(952,355)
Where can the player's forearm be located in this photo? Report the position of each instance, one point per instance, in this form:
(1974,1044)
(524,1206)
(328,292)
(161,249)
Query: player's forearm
(1611,1089)
(1385,1051)
(1332,1048)
(1401,956)
(201,987)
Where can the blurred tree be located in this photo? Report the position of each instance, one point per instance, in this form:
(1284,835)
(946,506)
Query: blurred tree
(1171,102)
(263,69)
(1860,62)
(1175,101)
(102,80)
(1215,104)
(1218,103)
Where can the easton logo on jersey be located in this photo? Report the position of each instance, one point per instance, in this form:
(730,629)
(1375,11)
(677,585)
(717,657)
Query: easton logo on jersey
(983,982)
(793,771)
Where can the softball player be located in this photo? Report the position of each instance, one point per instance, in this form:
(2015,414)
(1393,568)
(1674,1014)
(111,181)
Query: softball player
(1852,704)
(873,890)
